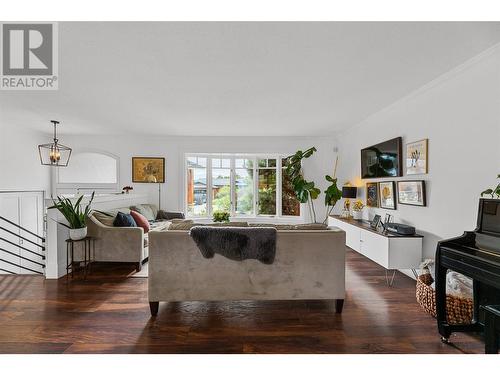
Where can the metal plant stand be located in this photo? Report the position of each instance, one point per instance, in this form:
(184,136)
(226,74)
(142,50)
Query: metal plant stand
(88,244)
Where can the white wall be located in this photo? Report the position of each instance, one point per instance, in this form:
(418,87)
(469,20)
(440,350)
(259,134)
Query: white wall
(173,149)
(20,167)
(460,115)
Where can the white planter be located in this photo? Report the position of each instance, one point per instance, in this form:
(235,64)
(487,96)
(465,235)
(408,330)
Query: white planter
(357,215)
(78,234)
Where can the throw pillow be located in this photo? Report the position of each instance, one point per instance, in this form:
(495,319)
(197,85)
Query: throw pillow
(124,220)
(183,225)
(140,220)
(145,210)
(103,218)
(166,215)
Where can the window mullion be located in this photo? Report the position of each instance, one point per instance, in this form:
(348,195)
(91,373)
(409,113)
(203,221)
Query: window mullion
(232,183)
(209,187)
(278,187)
(255,186)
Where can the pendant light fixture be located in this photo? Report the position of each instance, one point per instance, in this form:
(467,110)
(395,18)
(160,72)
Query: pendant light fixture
(54,154)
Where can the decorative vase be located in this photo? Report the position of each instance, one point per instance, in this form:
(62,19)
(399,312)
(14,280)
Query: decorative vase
(78,233)
(357,215)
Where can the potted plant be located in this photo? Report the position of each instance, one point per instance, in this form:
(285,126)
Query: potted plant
(332,193)
(76,218)
(357,210)
(493,191)
(221,217)
(305,191)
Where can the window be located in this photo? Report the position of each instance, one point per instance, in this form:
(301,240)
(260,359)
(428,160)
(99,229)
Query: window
(244,185)
(221,184)
(267,187)
(196,186)
(290,205)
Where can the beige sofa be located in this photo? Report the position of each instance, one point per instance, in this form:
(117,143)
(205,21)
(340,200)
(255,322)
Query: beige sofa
(120,244)
(309,264)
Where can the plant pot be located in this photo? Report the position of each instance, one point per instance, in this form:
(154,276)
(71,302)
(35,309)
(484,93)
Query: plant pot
(78,234)
(357,215)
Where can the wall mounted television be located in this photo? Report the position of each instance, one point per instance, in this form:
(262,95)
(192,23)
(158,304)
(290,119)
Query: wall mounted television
(382,160)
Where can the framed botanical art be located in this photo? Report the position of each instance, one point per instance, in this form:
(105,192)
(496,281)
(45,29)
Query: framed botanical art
(387,191)
(417,157)
(412,193)
(372,194)
(148,170)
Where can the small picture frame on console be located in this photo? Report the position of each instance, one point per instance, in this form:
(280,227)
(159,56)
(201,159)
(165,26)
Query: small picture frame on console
(375,222)
(412,193)
(387,191)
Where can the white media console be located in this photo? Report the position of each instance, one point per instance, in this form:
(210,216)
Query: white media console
(391,251)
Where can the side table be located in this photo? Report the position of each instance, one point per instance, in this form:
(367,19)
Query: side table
(88,255)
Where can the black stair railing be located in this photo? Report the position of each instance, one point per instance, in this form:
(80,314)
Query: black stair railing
(40,263)
(22,228)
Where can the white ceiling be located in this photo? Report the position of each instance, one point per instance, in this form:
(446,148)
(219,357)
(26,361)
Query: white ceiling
(239,78)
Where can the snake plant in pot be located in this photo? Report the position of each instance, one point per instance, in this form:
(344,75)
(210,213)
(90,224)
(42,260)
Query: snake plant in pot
(74,215)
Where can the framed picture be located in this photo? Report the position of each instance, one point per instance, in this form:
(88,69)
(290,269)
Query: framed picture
(375,222)
(372,194)
(416,157)
(148,170)
(387,191)
(412,193)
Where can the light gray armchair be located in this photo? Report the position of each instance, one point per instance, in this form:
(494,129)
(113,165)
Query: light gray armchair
(118,244)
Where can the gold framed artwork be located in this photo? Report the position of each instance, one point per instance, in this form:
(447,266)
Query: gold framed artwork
(412,193)
(148,169)
(372,194)
(387,195)
(417,157)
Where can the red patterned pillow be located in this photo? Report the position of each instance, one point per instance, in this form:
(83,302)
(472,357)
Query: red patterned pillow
(140,220)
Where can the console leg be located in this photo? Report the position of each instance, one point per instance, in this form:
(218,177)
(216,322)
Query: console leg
(153,306)
(138,266)
(339,305)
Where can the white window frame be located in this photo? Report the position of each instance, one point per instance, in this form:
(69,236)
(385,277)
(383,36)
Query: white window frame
(233,157)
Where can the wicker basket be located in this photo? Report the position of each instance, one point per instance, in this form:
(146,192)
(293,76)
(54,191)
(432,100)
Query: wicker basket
(458,310)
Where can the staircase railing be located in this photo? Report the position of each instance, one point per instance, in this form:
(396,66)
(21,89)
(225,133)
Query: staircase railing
(40,256)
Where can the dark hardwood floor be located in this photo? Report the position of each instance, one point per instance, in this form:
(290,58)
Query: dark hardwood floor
(109,313)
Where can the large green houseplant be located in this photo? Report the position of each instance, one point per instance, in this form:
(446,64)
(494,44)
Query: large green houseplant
(306,191)
(74,215)
(332,193)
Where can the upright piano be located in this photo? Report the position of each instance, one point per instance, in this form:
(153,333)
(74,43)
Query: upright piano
(475,254)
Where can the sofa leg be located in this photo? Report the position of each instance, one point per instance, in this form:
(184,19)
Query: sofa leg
(339,305)
(153,306)
(138,266)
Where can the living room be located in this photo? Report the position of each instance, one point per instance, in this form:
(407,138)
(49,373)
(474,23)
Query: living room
(250,187)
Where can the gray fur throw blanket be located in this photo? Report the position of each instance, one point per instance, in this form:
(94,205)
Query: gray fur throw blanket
(238,243)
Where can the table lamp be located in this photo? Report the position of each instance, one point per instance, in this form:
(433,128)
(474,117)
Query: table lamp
(348,192)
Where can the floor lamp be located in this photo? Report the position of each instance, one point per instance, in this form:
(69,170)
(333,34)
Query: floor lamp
(159,195)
